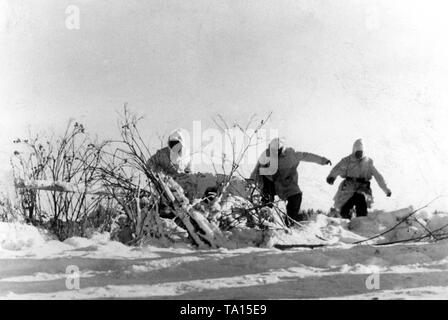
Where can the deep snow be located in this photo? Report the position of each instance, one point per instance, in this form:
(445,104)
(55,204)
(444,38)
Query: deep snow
(33,265)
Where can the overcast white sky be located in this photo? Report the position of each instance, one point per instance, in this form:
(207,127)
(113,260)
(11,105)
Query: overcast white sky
(331,71)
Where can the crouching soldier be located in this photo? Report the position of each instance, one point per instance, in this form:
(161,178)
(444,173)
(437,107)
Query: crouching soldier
(173,159)
(276,174)
(354,191)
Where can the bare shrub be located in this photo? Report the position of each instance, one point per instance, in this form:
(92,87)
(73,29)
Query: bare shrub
(136,189)
(69,164)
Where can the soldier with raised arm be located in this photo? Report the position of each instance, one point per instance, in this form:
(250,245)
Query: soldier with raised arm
(276,174)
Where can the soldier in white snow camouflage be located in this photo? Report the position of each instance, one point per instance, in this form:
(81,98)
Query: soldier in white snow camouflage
(173,159)
(283,181)
(354,191)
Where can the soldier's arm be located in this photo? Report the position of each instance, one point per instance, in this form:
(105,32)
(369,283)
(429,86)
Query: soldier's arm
(156,162)
(338,170)
(311,157)
(379,179)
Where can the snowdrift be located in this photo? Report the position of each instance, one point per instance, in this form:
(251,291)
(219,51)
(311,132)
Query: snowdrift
(24,240)
(416,226)
(19,240)
(324,230)
(17,236)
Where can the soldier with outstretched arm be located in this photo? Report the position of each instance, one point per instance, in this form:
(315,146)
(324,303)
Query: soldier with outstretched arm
(276,174)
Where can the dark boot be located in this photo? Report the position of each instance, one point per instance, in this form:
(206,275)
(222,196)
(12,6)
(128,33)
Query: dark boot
(268,192)
(293,209)
(361,205)
(346,208)
(358,200)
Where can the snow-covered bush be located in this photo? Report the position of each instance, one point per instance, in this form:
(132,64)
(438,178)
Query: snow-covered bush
(70,159)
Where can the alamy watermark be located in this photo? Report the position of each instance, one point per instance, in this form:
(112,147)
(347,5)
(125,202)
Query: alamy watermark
(72,18)
(72,279)
(216,147)
(373,281)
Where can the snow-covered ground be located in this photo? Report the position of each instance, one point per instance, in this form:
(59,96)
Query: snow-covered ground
(33,265)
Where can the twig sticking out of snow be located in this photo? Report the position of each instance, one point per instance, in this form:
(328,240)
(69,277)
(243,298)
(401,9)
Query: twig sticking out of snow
(416,239)
(399,223)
